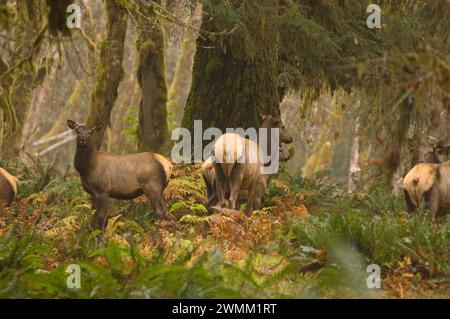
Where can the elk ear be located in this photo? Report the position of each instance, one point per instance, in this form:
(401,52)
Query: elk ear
(97,127)
(444,149)
(72,125)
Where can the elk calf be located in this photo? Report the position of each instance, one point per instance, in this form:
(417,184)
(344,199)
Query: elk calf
(431,182)
(8,188)
(127,176)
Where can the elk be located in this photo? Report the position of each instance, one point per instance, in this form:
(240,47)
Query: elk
(126,176)
(431,152)
(424,180)
(8,188)
(232,178)
(431,182)
(207,170)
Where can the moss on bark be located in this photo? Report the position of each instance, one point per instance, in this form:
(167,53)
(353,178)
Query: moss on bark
(235,67)
(153,129)
(109,71)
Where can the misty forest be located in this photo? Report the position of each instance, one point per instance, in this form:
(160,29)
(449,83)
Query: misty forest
(91,93)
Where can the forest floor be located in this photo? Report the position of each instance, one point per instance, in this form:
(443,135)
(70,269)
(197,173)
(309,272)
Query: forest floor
(311,240)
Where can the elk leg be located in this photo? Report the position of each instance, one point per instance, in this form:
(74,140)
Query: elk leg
(213,200)
(92,202)
(255,195)
(236,176)
(432,200)
(221,182)
(101,213)
(409,203)
(156,198)
(242,197)
(209,188)
(211,193)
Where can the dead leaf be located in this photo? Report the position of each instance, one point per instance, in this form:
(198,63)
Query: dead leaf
(300,211)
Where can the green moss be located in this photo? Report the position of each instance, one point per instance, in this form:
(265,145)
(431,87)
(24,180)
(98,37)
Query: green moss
(146,50)
(153,127)
(214,64)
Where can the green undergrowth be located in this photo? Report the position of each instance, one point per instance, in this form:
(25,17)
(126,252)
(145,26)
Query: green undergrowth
(312,240)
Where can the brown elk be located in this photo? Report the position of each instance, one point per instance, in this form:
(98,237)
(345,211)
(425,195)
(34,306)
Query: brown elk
(429,179)
(431,182)
(234,177)
(127,176)
(207,170)
(8,188)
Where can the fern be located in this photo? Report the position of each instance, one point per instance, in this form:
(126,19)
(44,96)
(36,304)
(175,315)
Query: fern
(194,219)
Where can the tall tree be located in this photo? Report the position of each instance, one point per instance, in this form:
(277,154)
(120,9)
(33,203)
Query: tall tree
(153,129)
(235,67)
(109,71)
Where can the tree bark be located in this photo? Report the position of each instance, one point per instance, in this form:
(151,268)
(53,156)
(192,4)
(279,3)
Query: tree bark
(153,130)
(235,68)
(109,71)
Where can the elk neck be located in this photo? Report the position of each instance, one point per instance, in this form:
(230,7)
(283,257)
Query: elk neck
(84,157)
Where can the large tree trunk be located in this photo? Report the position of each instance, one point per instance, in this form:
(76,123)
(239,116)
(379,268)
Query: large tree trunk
(109,72)
(235,66)
(152,131)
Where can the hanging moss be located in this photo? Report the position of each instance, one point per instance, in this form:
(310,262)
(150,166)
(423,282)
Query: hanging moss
(146,54)
(153,128)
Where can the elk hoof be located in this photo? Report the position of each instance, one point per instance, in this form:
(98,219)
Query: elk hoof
(162,216)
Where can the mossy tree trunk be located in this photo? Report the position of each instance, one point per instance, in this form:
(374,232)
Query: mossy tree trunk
(396,146)
(235,66)
(109,71)
(153,129)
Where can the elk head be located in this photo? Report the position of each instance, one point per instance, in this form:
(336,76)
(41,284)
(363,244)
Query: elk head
(84,132)
(270,121)
(431,151)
